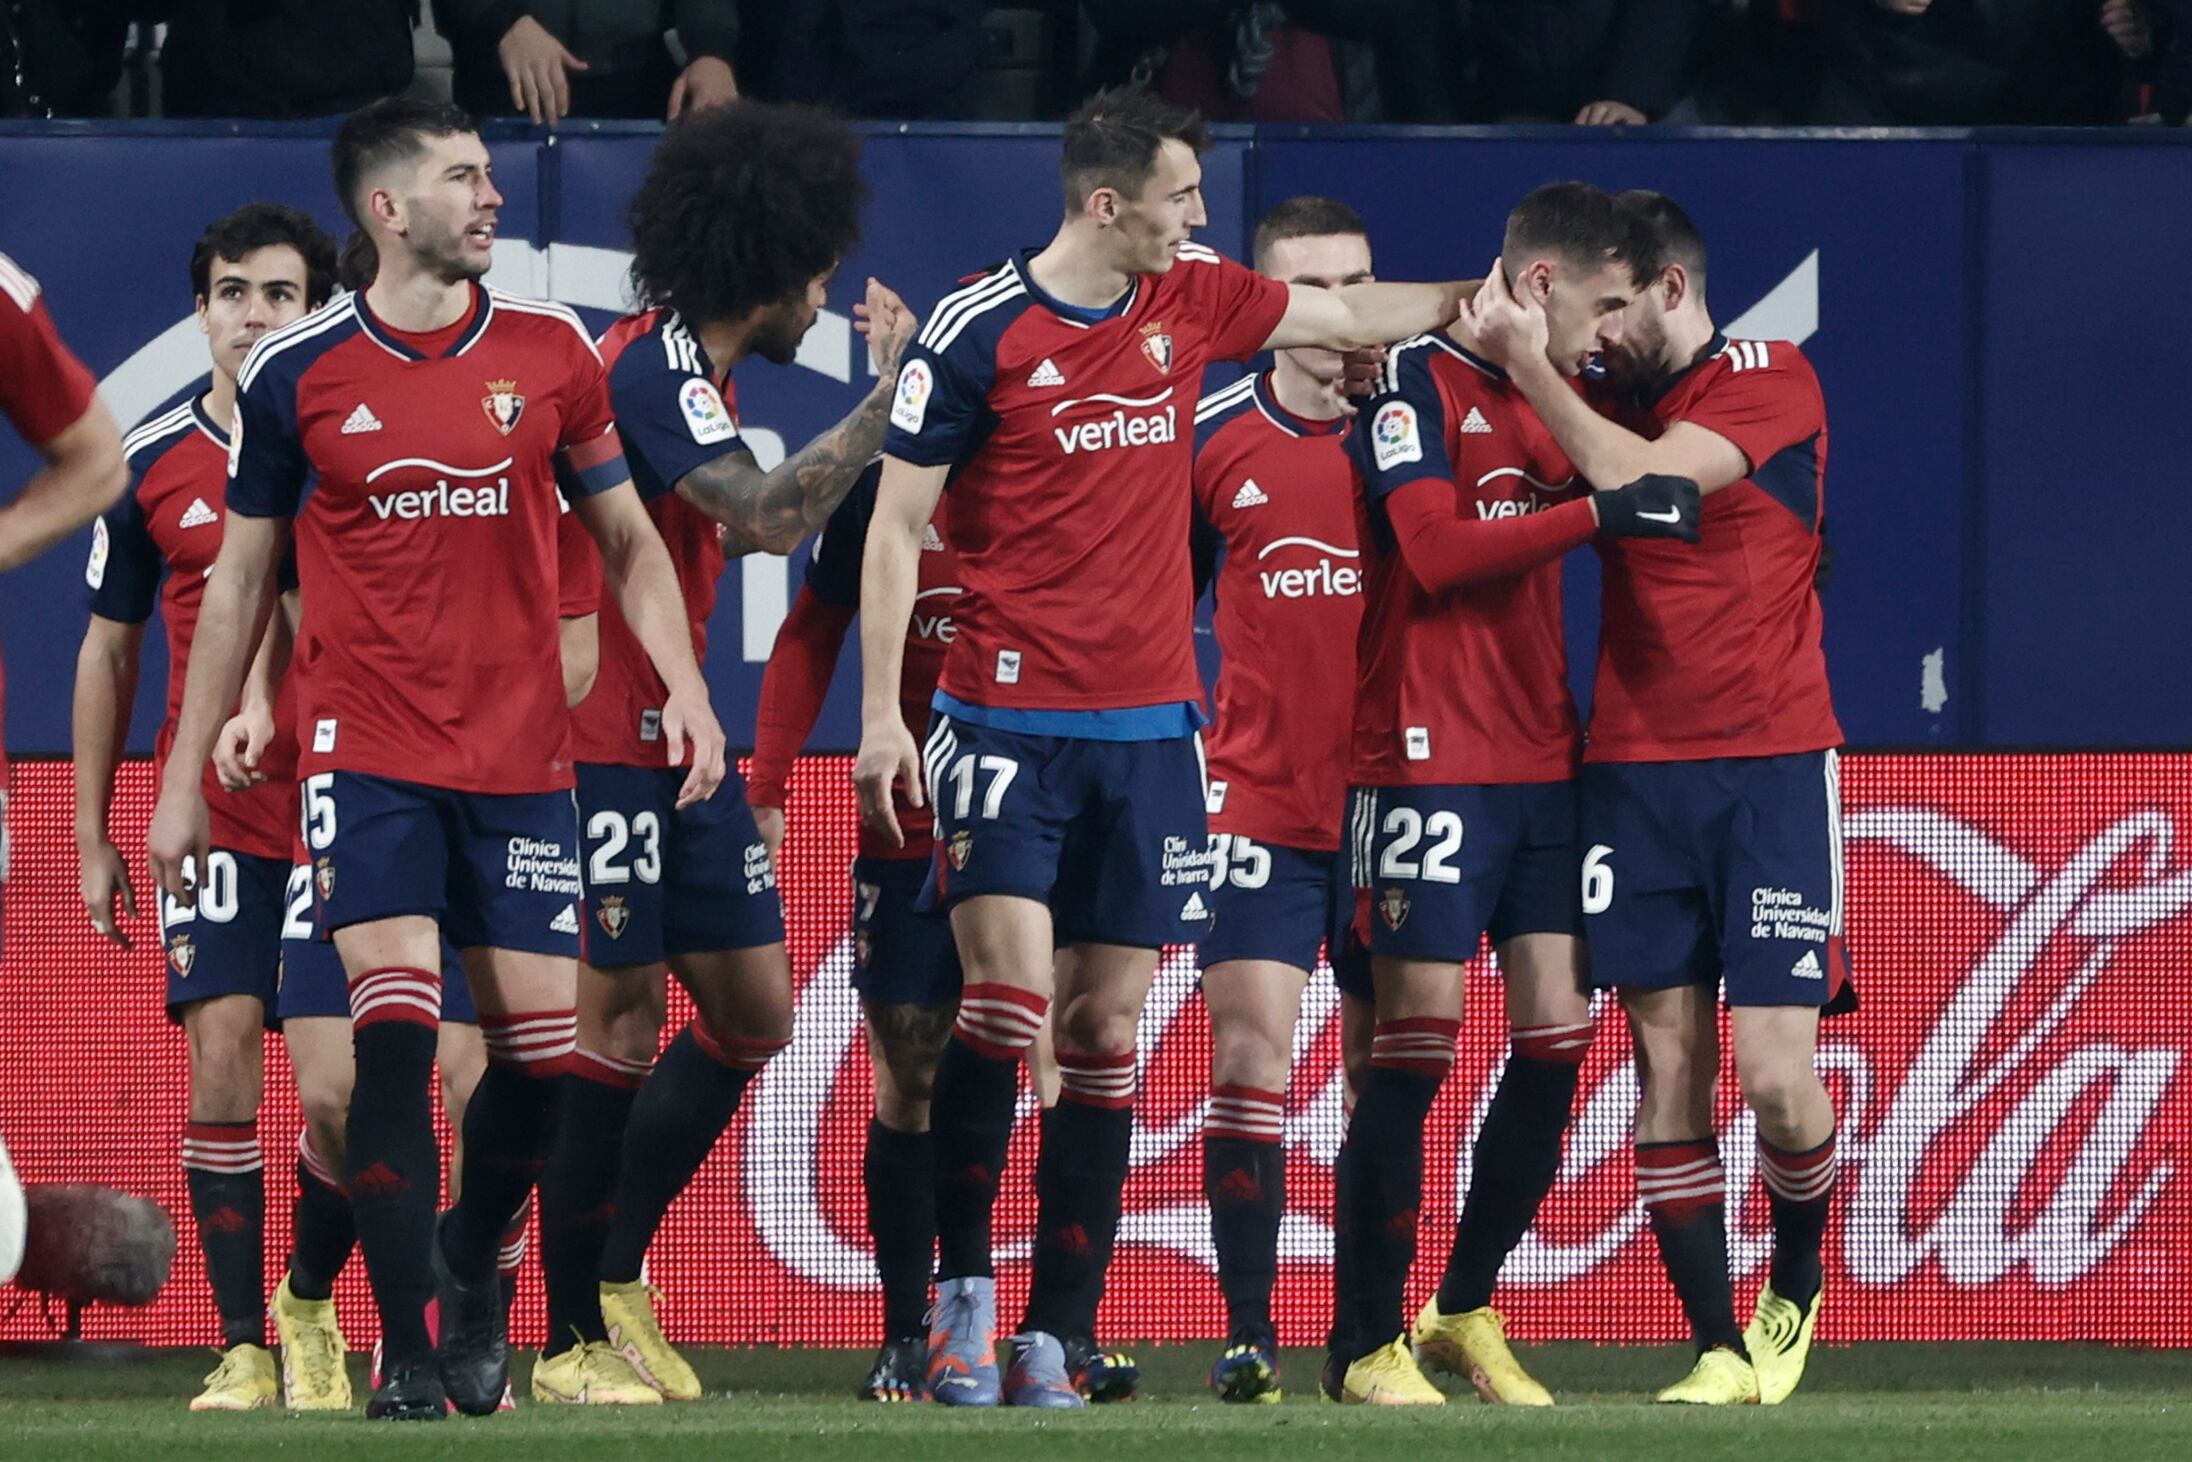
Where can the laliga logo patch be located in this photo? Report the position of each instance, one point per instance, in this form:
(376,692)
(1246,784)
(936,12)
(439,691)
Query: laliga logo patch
(960,849)
(95,570)
(182,954)
(614,916)
(1157,346)
(503,405)
(706,417)
(1393,908)
(915,384)
(323,876)
(1393,436)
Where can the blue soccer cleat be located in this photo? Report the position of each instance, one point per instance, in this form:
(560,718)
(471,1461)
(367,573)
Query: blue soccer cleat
(963,1343)
(1037,1376)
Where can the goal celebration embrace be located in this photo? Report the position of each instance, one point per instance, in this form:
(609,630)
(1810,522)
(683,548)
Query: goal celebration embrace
(1332,849)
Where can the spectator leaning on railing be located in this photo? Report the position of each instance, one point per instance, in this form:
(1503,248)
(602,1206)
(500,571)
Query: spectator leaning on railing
(551,59)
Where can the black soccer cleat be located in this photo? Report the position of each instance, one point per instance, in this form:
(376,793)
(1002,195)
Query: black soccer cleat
(900,1372)
(474,1348)
(1102,1376)
(410,1390)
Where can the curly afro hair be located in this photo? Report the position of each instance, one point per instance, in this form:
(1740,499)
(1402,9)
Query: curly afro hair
(742,205)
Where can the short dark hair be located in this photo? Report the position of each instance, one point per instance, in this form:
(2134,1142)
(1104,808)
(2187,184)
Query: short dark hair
(742,205)
(389,130)
(1669,236)
(1577,223)
(1306,217)
(258,226)
(1113,139)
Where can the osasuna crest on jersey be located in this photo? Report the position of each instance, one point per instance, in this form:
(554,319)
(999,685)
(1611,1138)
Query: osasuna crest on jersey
(1157,345)
(503,405)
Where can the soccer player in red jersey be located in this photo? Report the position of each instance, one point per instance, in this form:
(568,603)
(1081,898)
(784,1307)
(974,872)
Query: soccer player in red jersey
(1064,762)
(905,967)
(1275,493)
(742,218)
(1463,814)
(1710,797)
(53,404)
(414,432)
(252,272)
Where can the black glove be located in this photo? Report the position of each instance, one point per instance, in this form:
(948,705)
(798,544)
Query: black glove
(1651,507)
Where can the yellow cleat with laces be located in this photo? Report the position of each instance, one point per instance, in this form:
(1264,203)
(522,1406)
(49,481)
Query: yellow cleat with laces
(245,1380)
(634,1333)
(313,1352)
(1720,1378)
(592,1374)
(1473,1345)
(1779,1340)
(1388,1376)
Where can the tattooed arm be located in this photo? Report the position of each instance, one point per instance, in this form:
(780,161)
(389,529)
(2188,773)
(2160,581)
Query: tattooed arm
(771,511)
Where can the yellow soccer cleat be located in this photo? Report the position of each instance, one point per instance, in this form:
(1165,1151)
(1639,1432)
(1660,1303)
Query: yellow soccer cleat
(1720,1378)
(1473,1346)
(1779,1340)
(313,1349)
(635,1334)
(592,1374)
(245,1380)
(1388,1376)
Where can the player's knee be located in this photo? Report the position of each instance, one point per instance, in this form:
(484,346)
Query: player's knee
(902,1096)
(1243,1055)
(632,1034)
(324,1098)
(1779,1091)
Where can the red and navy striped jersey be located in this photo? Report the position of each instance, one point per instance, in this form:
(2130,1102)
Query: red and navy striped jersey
(1716,650)
(422,473)
(1279,493)
(1468,686)
(674,412)
(1069,500)
(157,545)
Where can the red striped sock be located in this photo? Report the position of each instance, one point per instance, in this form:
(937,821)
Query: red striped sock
(1000,1021)
(1097,1081)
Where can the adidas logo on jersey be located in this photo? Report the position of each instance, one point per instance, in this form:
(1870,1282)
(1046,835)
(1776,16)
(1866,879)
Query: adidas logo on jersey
(197,515)
(565,922)
(1475,423)
(1195,908)
(1047,374)
(1808,968)
(361,420)
(931,540)
(1250,495)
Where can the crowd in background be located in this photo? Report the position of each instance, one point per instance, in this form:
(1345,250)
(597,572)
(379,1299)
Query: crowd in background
(1586,62)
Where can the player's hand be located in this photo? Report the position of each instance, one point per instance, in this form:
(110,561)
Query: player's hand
(888,759)
(771,822)
(1499,326)
(687,716)
(889,324)
(1362,372)
(236,751)
(535,63)
(2128,25)
(1904,7)
(1653,506)
(1611,114)
(177,843)
(103,874)
(707,82)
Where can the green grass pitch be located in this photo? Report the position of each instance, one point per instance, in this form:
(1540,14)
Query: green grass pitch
(1995,1402)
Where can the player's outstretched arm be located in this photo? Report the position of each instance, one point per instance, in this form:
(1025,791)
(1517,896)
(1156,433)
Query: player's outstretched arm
(106,685)
(83,476)
(636,568)
(771,511)
(1356,316)
(890,571)
(1511,334)
(231,618)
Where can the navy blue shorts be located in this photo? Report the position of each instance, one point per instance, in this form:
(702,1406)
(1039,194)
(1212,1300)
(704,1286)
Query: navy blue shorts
(900,955)
(1698,872)
(1286,904)
(230,944)
(1110,834)
(1437,868)
(495,870)
(661,881)
(312,978)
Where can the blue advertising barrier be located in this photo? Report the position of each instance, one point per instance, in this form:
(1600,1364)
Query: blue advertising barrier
(1987,315)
